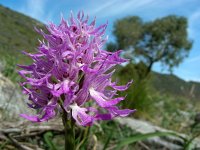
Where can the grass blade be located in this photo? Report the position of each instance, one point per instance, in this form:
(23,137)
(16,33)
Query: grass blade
(140,137)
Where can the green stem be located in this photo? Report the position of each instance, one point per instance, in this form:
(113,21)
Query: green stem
(69,132)
(85,136)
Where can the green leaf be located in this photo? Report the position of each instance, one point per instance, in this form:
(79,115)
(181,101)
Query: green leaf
(140,137)
(48,140)
(108,140)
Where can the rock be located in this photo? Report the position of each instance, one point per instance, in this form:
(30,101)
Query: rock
(11,100)
(169,142)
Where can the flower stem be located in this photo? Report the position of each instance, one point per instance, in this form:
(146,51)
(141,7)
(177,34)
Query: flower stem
(69,132)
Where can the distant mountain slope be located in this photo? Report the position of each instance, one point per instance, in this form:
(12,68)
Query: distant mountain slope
(16,33)
(171,84)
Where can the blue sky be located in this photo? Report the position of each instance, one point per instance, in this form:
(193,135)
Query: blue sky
(110,10)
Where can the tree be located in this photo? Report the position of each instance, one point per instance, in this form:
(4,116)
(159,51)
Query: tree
(163,40)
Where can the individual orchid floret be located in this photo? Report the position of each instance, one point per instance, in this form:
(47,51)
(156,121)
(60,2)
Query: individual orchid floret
(72,73)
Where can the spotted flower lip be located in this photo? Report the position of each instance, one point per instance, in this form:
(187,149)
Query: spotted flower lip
(71,72)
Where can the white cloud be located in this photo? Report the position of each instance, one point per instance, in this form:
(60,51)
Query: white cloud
(195,16)
(103,6)
(116,7)
(34,8)
(194,21)
(193,59)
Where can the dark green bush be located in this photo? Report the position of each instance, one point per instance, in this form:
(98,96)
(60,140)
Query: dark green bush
(136,95)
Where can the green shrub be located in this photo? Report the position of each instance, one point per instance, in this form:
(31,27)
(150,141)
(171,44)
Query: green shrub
(137,96)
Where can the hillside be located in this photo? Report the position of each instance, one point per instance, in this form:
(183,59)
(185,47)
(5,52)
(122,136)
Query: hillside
(16,33)
(171,84)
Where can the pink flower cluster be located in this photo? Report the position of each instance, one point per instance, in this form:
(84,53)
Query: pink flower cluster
(71,72)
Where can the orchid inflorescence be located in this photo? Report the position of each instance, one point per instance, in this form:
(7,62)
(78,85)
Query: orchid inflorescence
(71,72)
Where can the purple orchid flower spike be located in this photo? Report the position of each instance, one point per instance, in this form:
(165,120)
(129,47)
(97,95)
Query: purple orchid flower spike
(71,72)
